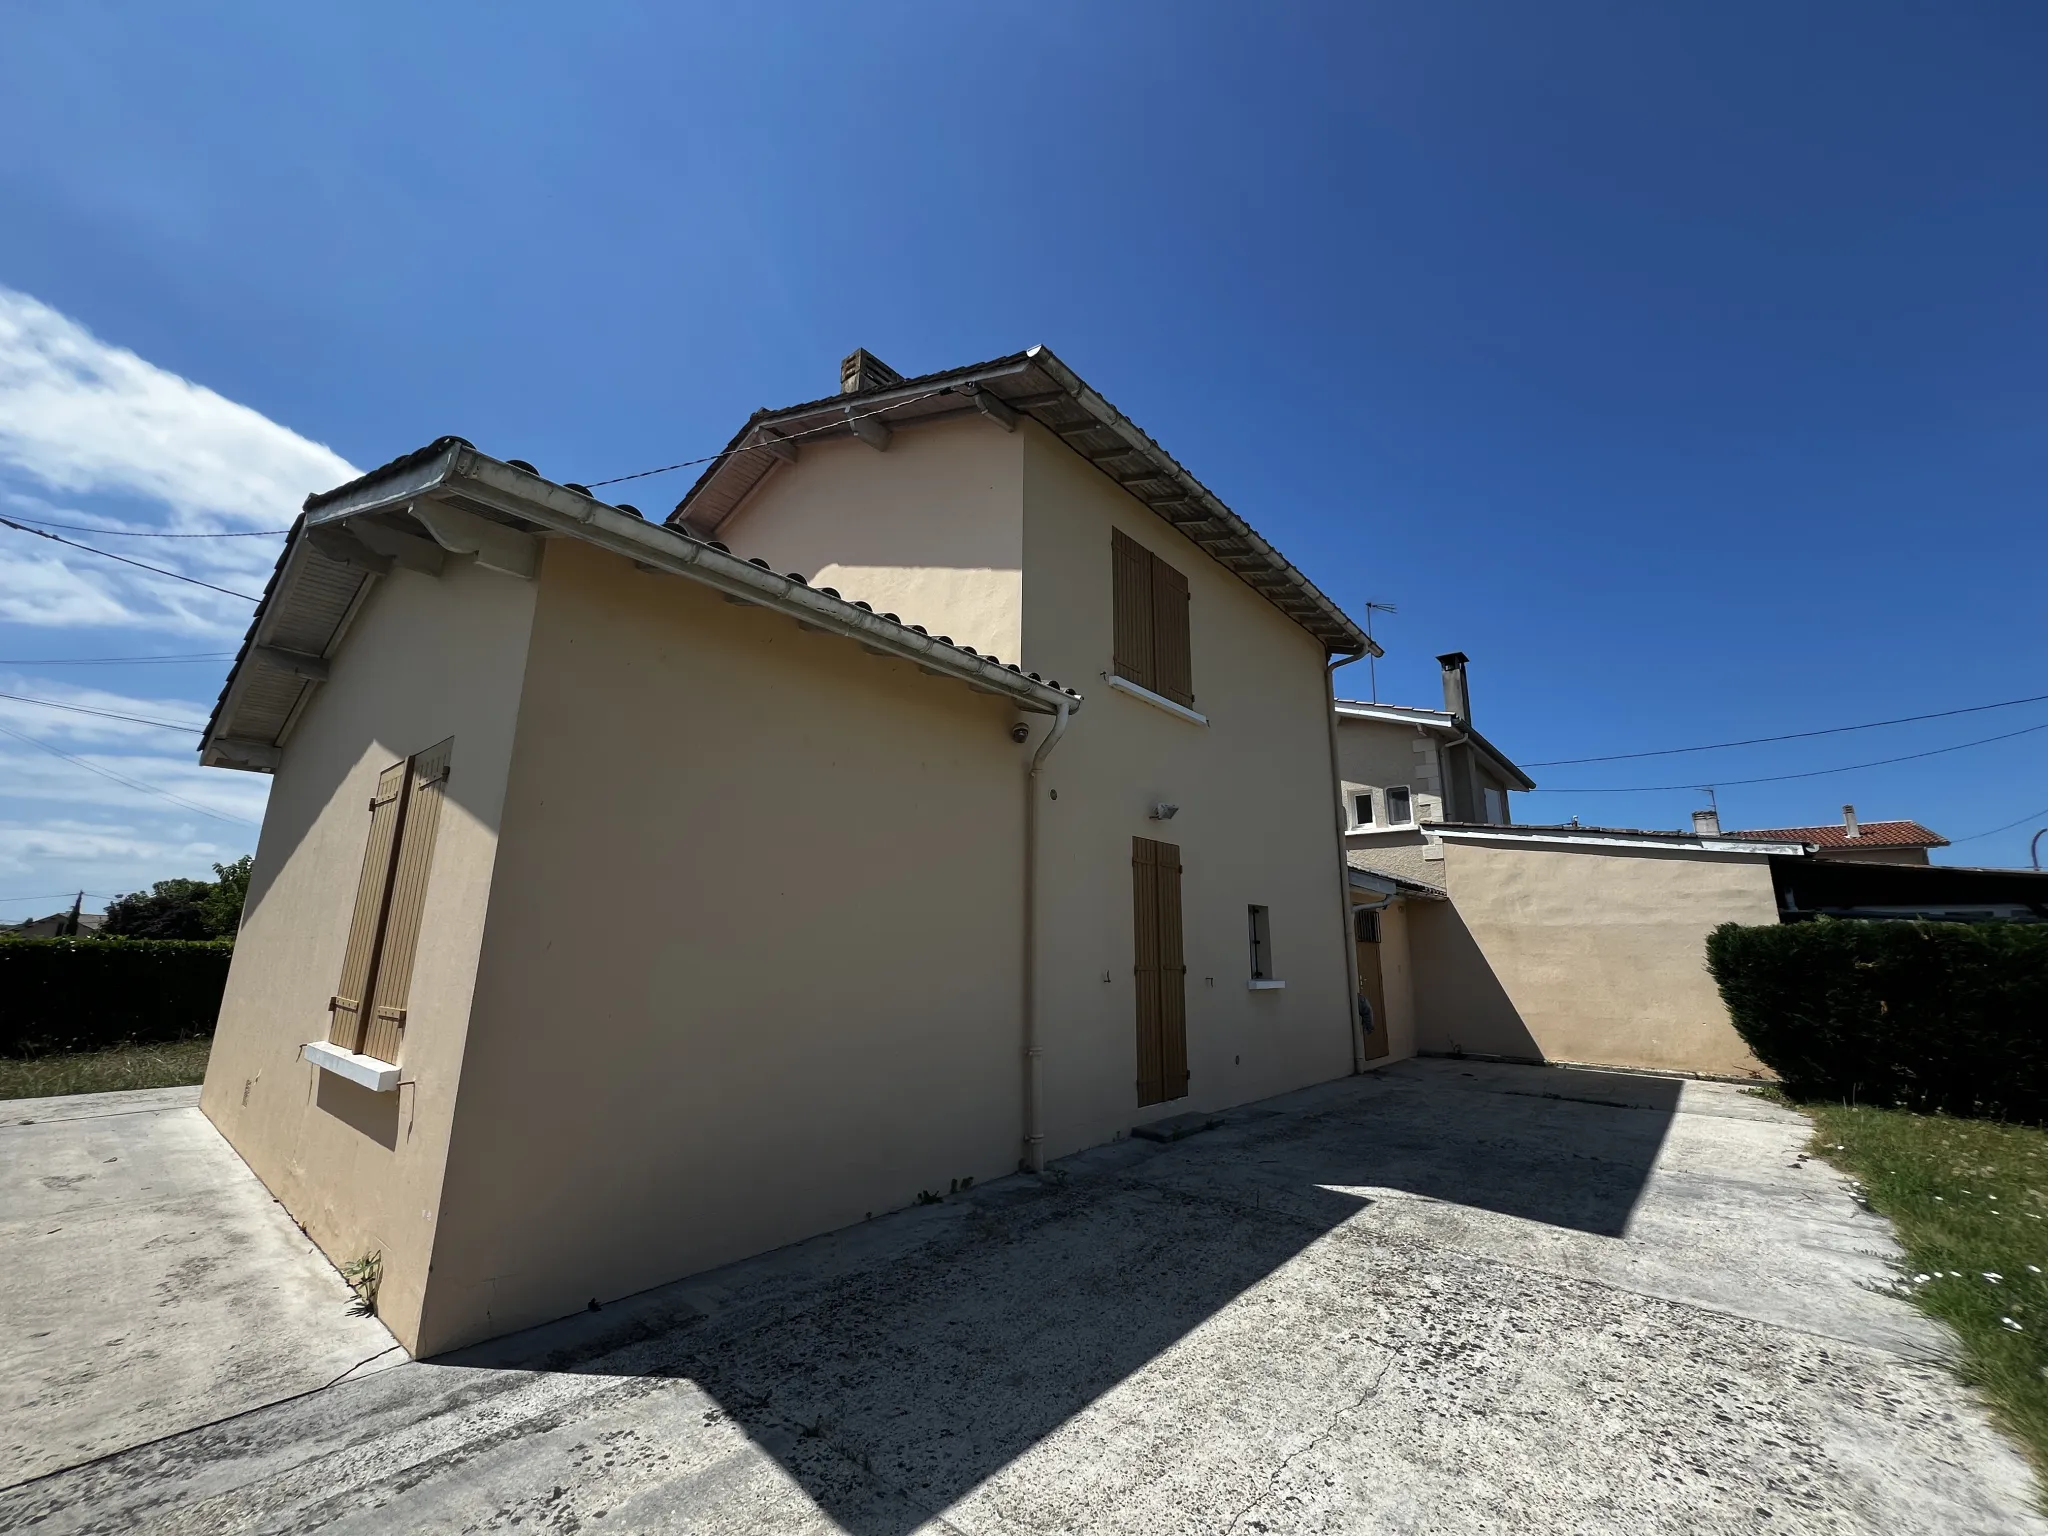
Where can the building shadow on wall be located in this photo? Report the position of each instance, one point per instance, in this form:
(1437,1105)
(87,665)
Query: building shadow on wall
(893,1369)
(1468,1009)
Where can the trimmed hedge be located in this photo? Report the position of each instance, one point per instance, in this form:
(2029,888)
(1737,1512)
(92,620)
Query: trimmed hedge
(1927,1016)
(85,994)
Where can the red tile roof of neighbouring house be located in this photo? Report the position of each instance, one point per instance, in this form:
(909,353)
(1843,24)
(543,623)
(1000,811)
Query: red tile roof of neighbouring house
(1875,834)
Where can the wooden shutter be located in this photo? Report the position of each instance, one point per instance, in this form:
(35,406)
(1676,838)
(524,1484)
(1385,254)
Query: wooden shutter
(350,1004)
(1172,669)
(386,1024)
(1131,569)
(1160,970)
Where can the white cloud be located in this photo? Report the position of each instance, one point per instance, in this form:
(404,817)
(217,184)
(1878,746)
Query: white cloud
(71,725)
(44,779)
(79,415)
(101,858)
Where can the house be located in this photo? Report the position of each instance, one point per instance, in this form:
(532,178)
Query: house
(56,926)
(1853,841)
(942,788)
(1478,936)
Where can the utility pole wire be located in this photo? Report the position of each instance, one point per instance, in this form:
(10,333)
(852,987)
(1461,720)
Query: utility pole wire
(1815,773)
(104,714)
(1754,741)
(108,554)
(107,773)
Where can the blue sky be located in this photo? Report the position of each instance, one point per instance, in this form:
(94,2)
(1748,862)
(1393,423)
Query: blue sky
(1680,363)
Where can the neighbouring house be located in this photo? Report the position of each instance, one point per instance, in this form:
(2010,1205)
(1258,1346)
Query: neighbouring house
(634,897)
(56,926)
(1851,841)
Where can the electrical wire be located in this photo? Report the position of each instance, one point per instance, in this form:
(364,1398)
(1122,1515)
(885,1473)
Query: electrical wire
(104,714)
(108,773)
(110,555)
(787,437)
(1814,773)
(2030,816)
(59,896)
(108,661)
(1753,741)
(151,533)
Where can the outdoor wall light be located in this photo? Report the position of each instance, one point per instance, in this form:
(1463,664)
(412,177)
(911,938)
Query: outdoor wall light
(1164,812)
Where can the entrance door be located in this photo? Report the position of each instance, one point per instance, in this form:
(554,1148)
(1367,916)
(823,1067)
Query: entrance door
(1372,988)
(1161,972)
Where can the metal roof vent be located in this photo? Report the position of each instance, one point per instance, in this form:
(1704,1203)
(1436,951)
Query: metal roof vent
(860,371)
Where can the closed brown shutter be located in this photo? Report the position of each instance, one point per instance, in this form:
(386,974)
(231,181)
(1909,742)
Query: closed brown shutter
(350,1004)
(1160,970)
(386,1024)
(1131,569)
(1145,930)
(1172,670)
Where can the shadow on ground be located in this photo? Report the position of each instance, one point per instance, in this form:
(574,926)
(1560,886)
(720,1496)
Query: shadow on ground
(894,1369)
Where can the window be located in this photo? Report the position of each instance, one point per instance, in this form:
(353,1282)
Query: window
(1365,926)
(1262,944)
(1151,603)
(1400,807)
(368,1008)
(1496,806)
(1361,808)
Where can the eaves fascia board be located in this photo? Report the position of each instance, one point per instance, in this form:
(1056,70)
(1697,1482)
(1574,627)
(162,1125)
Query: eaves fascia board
(1509,834)
(479,478)
(1115,420)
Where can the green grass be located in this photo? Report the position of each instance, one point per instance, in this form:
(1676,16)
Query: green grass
(170,1065)
(1969,1199)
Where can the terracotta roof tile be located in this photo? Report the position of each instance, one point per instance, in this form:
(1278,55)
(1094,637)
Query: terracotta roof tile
(1875,834)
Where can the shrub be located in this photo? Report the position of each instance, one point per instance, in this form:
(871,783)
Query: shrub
(86,994)
(1928,1016)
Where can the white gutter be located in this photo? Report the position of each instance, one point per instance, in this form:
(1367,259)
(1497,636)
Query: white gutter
(1596,840)
(1034,1052)
(476,476)
(1344,864)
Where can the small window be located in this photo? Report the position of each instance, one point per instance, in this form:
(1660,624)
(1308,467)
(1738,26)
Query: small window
(1262,944)
(1400,808)
(1361,808)
(1496,806)
(1366,926)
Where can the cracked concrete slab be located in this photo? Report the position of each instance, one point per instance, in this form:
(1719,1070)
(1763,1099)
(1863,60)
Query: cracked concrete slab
(1445,1298)
(149,1283)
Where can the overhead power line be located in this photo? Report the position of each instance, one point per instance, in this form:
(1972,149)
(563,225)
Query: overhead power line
(59,896)
(1814,773)
(104,714)
(108,661)
(155,533)
(788,437)
(1754,741)
(108,773)
(108,554)
(2030,816)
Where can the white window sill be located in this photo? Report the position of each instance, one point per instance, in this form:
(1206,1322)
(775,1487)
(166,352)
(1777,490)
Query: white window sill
(1156,700)
(377,1076)
(1399,826)
(1264,986)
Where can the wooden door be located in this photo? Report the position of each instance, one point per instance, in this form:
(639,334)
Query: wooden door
(1161,971)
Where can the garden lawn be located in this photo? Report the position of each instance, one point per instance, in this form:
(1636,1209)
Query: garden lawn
(170,1064)
(1969,1199)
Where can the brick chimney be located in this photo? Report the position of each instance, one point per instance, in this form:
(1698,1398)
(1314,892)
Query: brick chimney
(1457,696)
(860,371)
(1706,823)
(1849,827)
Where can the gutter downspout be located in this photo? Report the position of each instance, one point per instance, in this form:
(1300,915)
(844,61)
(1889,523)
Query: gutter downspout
(1034,1101)
(1343,865)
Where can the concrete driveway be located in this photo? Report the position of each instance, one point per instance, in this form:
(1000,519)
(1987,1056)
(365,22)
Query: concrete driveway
(1451,1297)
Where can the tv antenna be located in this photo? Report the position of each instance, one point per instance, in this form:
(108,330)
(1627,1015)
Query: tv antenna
(1372,668)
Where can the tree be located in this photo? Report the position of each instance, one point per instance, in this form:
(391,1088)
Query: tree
(183,909)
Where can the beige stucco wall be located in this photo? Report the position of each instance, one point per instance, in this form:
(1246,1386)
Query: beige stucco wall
(425,660)
(1378,754)
(1584,954)
(1255,824)
(753,966)
(1397,981)
(930,529)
